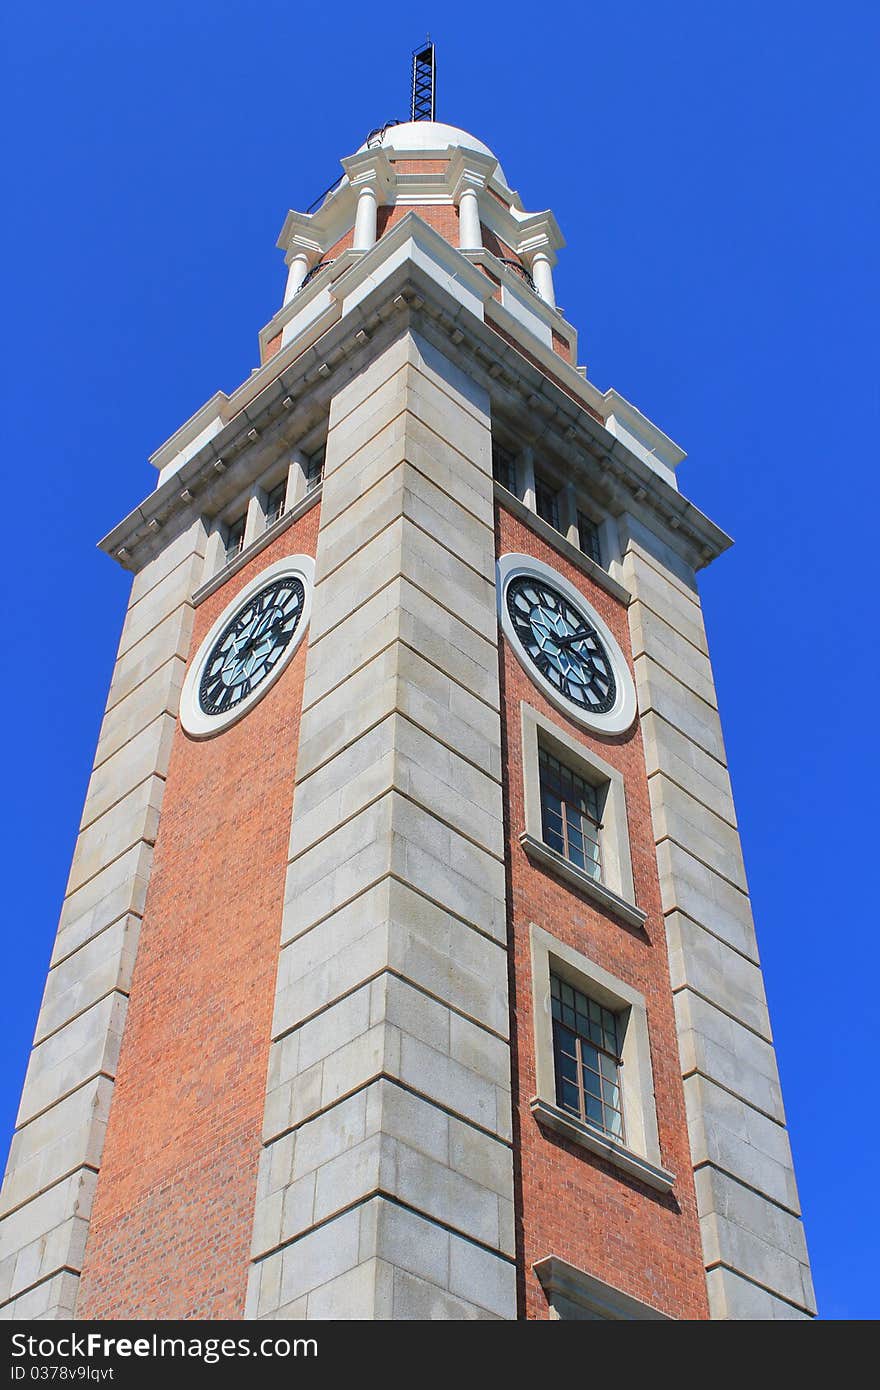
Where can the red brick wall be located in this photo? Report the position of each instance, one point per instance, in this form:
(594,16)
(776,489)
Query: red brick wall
(561,345)
(172,1220)
(442,217)
(571,1203)
(339,246)
(498,247)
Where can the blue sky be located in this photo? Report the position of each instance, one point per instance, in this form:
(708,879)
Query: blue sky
(713,168)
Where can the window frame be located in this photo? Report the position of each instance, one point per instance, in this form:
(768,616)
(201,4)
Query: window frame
(552,786)
(640,1155)
(608,1024)
(615,891)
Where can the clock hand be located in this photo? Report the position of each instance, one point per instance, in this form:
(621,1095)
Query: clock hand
(572,638)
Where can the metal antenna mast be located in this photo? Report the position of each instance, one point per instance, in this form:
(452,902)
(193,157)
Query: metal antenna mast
(424,83)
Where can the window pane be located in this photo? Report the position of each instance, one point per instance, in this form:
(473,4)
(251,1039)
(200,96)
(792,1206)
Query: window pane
(567,1067)
(576,857)
(568,1097)
(566,1040)
(554,839)
(592,1084)
(608,1066)
(593,1110)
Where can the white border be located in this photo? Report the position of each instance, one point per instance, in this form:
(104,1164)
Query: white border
(194,721)
(619,718)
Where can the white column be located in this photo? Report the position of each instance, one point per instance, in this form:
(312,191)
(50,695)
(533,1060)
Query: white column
(256,517)
(568,509)
(609,548)
(296,478)
(542,274)
(299,269)
(365,219)
(470,236)
(215,552)
(527,477)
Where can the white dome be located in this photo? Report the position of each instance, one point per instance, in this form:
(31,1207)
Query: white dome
(422,136)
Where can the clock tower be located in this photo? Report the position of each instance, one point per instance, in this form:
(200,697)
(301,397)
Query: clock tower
(406,967)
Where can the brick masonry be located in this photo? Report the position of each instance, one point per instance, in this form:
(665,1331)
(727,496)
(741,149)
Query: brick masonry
(571,1203)
(171,1224)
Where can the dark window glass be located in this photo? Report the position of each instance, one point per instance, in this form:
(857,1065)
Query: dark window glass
(235,538)
(504,468)
(588,537)
(586,1051)
(314,470)
(547,502)
(275,503)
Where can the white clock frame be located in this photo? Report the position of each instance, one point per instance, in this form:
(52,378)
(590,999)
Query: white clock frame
(619,718)
(192,717)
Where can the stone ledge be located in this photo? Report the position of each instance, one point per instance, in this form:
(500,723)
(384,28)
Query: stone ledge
(628,1162)
(561,1280)
(590,887)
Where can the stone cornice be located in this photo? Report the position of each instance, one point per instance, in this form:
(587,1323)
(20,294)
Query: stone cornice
(370,167)
(469,169)
(296,397)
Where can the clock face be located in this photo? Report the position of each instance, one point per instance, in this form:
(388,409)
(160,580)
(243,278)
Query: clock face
(562,643)
(248,647)
(251,644)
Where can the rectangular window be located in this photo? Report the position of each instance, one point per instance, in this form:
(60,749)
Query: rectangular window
(315,471)
(593,1078)
(546,502)
(586,1053)
(588,537)
(504,468)
(570,820)
(235,538)
(275,503)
